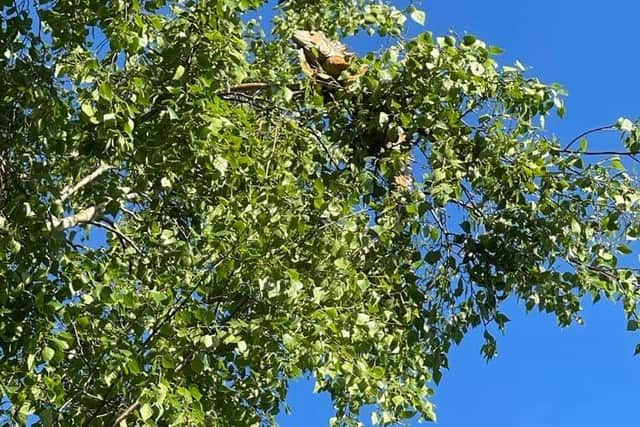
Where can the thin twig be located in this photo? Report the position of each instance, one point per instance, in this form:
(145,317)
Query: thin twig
(250,86)
(588,132)
(114,229)
(600,153)
(244,98)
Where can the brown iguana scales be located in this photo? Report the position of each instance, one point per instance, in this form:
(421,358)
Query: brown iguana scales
(320,54)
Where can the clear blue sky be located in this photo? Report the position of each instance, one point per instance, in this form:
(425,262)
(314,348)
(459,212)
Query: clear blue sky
(544,376)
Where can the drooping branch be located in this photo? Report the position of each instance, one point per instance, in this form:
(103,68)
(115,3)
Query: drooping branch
(115,230)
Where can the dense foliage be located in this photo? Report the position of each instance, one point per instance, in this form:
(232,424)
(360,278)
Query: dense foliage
(173,251)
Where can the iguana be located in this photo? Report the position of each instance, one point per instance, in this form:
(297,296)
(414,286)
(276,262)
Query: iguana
(320,58)
(324,61)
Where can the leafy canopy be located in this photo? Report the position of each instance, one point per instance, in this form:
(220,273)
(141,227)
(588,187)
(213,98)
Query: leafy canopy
(174,250)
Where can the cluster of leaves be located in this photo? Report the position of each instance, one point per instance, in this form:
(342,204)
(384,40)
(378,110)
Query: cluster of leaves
(171,256)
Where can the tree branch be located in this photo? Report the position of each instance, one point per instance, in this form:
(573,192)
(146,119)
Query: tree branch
(68,191)
(84,216)
(126,413)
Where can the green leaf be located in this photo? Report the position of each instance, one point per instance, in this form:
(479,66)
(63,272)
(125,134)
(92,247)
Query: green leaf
(105,91)
(583,144)
(30,361)
(48,353)
(362,319)
(87,109)
(221,164)
(146,411)
(288,94)
(59,344)
(617,164)
(418,16)
(207,340)
(377,373)
(383,118)
(177,75)
(495,50)
(109,118)
(432,257)
(469,40)
(624,249)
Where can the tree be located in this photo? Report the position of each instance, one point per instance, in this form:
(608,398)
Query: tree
(188,220)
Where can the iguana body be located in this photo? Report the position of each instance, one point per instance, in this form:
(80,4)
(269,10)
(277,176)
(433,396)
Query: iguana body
(319,54)
(320,58)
